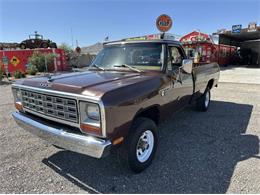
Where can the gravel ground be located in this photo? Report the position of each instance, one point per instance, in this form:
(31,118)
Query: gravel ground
(240,75)
(212,152)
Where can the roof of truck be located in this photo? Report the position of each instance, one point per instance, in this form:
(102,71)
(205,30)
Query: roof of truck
(154,38)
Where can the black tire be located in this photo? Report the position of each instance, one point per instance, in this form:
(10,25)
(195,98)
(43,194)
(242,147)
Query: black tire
(140,127)
(204,101)
(53,45)
(44,45)
(22,46)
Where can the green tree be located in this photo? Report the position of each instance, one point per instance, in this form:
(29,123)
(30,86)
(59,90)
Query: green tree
(32,70)
(67,49)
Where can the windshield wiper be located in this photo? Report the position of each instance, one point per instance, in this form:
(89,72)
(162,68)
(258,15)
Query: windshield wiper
(128,66)
(96,66)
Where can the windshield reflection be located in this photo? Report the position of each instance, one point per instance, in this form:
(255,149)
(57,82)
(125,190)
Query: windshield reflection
(141,56)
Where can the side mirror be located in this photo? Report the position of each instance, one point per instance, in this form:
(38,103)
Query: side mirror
(187,65)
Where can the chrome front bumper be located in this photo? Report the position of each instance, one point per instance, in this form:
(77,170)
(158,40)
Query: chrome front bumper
(78,143)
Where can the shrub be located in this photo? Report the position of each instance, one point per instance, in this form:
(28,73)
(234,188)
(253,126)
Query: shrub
(40,60)
(18,74)
(67,50)
(32,70)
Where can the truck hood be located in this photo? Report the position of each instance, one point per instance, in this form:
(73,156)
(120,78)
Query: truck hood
(91,83)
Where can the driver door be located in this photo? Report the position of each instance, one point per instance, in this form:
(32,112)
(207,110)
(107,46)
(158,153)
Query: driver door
(182,87)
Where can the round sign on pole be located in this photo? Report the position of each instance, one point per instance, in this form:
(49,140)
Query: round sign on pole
(164,23)
(78,49)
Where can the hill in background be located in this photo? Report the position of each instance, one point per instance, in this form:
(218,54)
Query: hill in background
(92,49)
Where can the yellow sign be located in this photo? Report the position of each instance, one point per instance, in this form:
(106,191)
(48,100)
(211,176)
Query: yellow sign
(15,61)
(136,39)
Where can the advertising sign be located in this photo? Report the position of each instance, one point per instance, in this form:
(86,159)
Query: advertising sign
(236,28)
(221,31)
(252,27)
(164,23)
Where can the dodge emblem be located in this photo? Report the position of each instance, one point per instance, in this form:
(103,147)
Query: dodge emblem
(45,85)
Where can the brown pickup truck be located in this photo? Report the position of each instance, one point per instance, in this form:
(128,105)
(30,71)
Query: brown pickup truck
(130,87)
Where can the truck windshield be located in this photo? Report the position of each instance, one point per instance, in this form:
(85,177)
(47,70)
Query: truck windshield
(147,56)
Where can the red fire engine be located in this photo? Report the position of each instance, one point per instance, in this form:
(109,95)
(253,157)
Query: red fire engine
(18,59)
(202,46)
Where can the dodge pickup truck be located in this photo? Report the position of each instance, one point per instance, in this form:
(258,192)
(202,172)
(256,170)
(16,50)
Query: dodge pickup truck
(116,105)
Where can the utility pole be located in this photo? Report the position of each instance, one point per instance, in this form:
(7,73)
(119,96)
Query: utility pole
(72,39)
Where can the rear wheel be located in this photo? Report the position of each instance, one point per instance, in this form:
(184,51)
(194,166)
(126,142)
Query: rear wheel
(204,101)
(44,45)
(22,46)
(141,144)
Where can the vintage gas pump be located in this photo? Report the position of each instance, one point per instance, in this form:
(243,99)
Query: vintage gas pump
(6,62)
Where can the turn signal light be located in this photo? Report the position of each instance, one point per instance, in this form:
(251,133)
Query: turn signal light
(118,140)
(19,106)
(90,129)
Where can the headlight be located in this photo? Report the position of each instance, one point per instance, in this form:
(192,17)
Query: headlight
(17,95)
(93,112)
(90,118)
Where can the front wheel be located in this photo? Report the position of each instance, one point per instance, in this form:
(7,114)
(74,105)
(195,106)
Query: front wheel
(141,144)
(204,101)
(53,45)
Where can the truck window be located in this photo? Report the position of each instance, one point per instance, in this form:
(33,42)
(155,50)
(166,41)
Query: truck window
(175,57)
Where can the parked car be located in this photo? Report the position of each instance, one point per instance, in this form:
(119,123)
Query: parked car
(37,41)
(130,87)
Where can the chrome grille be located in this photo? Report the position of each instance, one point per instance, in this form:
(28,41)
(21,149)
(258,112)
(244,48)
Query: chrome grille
(58,107)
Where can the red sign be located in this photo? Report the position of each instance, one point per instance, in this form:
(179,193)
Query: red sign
(78,49)
(164,23)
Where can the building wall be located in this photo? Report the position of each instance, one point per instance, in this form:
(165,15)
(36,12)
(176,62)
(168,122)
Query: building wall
(255,47)
(227,41)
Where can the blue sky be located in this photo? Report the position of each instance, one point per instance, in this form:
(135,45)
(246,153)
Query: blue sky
(92,21)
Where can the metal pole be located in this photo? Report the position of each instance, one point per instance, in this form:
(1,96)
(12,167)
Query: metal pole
(45,61)
(229,60)
(6,66)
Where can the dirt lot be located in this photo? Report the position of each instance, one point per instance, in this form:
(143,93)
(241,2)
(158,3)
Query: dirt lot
(212,152)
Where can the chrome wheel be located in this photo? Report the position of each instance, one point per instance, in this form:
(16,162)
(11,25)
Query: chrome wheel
(207,99)
(145,146)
